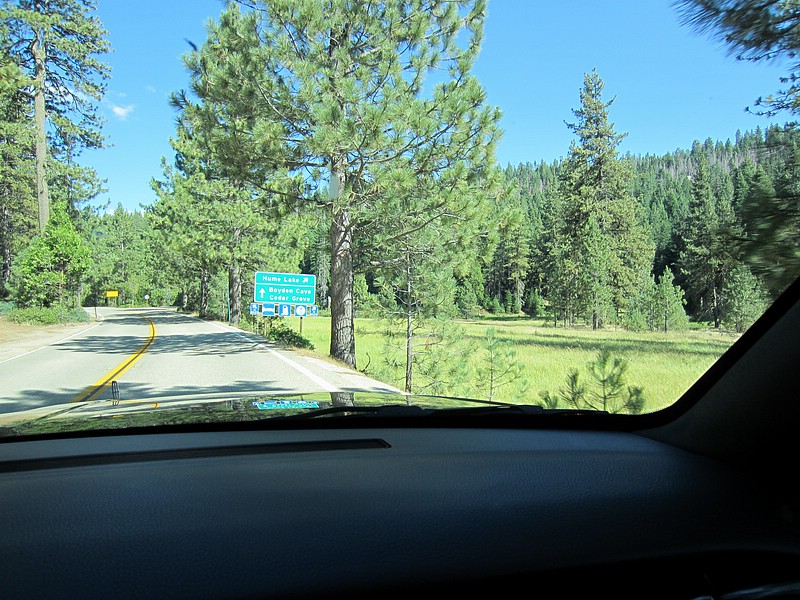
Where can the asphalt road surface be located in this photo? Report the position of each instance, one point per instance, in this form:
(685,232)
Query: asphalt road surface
(159,355)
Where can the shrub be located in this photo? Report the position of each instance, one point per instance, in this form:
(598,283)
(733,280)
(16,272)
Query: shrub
(48,271)
(51,315)
(494,306)
(278,332)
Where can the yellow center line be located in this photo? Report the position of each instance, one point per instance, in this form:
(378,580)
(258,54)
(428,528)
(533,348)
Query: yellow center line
(94,390)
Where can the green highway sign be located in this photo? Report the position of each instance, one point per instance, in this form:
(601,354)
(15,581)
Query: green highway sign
(285,288)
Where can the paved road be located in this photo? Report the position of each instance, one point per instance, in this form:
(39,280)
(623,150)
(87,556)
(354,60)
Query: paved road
(161,355)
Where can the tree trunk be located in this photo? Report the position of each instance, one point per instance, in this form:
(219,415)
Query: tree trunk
(409,333)
(40,117)
(234,281)
(6,272)
(5,236)
(235,292)
(203,307)
(715,311)
(343,340)
(323,271)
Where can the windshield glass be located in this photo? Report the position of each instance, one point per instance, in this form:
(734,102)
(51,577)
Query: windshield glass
(236,211)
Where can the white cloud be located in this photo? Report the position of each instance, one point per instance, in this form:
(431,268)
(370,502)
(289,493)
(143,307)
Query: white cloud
(150,88)
(122,112)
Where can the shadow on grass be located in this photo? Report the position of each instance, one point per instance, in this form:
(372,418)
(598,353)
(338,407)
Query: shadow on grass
(618,345)
(508,318)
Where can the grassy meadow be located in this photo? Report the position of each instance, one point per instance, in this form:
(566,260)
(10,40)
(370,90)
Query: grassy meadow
(665,364)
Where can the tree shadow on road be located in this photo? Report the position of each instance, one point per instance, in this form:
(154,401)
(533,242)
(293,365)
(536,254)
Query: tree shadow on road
(38,398)
(187,344)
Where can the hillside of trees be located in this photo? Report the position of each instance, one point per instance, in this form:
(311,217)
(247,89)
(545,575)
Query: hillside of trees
(720,219)
(332,159)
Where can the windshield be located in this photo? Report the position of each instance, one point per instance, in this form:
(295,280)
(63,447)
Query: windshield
(239,211)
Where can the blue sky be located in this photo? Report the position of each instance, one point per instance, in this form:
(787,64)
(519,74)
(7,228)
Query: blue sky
(672,86)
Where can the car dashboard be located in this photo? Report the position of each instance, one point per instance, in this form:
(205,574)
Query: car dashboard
(388,511)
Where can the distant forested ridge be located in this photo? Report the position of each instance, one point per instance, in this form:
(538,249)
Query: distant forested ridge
(700,211)
(712,213)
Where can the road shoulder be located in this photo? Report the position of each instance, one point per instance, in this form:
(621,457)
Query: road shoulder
(333,372)
(18,340)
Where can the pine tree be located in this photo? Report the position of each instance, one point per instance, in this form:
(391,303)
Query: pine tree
(771,215)
(507,274)
(217,225)
(754,31)
(669,302)
(123,257)
(609,393)
(58,43)
(602,251)
(17,194)
(707,255)
(421,261)
(499,366)
(327,101)
(745,299)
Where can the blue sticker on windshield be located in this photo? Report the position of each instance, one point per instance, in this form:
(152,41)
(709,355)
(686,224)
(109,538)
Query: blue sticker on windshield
(278,404)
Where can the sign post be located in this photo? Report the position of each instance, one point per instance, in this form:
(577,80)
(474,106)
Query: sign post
(267,310)
(112,294)
(300,311)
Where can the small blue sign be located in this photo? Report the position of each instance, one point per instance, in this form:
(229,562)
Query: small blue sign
(285,310)
(299,311)
(313,310)
(268,310)
(254,308)
(278,404)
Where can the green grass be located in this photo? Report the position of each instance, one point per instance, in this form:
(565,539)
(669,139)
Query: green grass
(665,364)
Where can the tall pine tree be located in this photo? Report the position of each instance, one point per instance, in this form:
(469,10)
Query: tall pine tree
(603,252)
(707,256)
(326,100)
(58,44)
(17,197)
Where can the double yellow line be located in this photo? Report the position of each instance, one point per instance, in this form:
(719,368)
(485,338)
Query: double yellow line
(93,391)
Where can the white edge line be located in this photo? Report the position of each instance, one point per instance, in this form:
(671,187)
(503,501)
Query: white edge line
(315,378)
(69,337)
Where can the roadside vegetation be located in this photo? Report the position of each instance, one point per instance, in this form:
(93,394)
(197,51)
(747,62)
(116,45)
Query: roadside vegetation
(52,315)
(665,365)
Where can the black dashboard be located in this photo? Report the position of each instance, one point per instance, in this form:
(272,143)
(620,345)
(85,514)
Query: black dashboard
(385,511)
